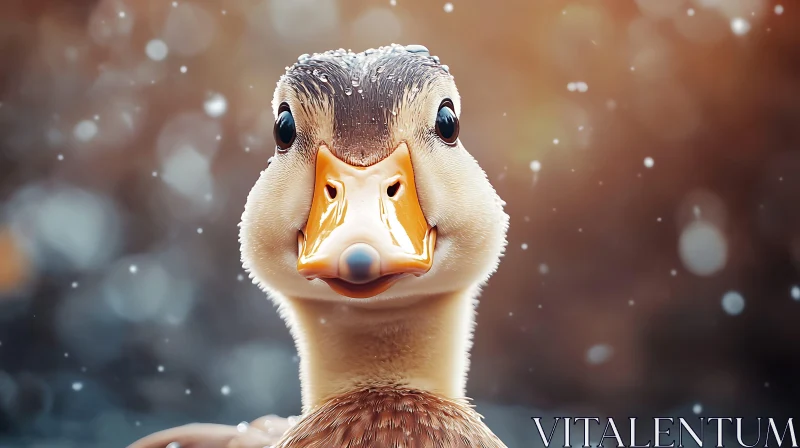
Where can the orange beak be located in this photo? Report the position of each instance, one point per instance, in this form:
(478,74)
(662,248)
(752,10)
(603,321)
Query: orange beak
(366,229)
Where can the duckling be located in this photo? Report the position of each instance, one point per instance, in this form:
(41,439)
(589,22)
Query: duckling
(373,230)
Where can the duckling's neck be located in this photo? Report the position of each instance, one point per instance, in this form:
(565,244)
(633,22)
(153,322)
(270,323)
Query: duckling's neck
(422,344)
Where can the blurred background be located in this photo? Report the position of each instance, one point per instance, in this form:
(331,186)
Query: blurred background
(648,150)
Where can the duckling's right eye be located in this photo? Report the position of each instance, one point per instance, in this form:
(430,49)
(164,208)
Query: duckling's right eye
(284,131)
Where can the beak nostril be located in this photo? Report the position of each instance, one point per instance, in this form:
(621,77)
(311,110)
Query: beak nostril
(393,189)
(331,191)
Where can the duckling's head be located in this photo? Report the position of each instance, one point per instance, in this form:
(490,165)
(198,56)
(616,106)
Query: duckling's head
(370,196)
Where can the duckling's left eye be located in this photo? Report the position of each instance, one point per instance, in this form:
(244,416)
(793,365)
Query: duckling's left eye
(447,123)
(285,131)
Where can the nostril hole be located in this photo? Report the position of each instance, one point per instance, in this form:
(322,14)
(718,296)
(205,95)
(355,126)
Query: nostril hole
(392,190)
(331,191)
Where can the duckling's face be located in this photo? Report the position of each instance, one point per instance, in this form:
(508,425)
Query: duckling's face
(370,194)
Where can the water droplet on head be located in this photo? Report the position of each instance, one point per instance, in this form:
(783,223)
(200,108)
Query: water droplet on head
(418,49)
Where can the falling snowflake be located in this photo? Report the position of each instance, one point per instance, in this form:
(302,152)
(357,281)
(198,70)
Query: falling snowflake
(598,354)
(215,105)
(578,86)
(85,130)
(156,50)
(740,26)
(733,303)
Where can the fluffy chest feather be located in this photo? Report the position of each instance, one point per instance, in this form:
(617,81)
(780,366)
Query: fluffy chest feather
(391,418)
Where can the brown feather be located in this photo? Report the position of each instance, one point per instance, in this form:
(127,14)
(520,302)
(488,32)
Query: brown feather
(386,417)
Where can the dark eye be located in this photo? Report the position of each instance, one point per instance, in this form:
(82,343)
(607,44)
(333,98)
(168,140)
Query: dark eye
(284,131)
(447,123)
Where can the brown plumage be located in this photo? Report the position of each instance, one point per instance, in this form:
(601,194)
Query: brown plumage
(391,418)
